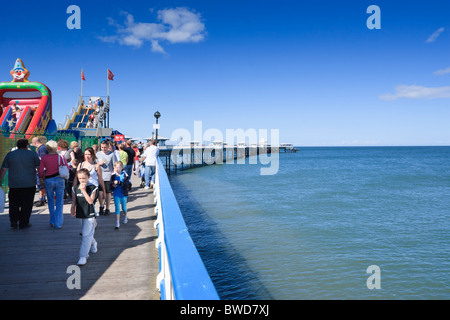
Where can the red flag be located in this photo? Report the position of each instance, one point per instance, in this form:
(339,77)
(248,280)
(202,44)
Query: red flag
(110,75)
(82,75)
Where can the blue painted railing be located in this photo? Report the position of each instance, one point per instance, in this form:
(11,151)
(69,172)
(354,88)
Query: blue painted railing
(182,275)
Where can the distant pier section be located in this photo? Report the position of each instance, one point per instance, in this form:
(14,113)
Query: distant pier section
(175,158)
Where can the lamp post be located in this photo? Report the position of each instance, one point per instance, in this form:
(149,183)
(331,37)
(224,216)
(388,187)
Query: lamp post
(156,126)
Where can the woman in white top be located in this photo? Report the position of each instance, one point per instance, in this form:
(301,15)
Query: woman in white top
(95,170)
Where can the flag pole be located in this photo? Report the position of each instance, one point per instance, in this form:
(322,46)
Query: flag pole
(107,84)
(107,98)
(81,99)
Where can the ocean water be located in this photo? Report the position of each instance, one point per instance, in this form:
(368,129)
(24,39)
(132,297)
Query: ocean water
(312,230)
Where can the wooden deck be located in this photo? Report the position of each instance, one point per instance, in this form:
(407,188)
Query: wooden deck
(34,261)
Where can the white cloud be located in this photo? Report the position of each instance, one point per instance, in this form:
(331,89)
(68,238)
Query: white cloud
(434,35)
(156,47)
(178,25)
(442,71)
(417,92)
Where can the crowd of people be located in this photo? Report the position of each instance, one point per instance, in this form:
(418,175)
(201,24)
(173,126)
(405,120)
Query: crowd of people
(96,176)
(98,112)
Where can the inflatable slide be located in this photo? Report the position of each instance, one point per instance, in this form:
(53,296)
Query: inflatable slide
(26,106)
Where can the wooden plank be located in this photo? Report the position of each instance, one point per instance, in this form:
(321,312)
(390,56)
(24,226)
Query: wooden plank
(34,261)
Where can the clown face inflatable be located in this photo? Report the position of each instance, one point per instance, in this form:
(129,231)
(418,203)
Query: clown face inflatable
(19,73)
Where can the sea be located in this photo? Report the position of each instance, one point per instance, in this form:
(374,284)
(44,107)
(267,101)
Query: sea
(333,223)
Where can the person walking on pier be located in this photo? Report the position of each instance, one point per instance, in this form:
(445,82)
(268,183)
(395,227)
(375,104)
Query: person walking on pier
(38,143)
(106,160)
(95,171)
(123,154)
(136,159)
(131,155)
(149,158)
(113,148)
(77,152)
(72,174)
(65,152)
(54,184)
(21,164)
(84,196)
(120,185)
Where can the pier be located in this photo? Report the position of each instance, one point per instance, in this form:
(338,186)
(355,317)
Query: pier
(34,261)
(175,158)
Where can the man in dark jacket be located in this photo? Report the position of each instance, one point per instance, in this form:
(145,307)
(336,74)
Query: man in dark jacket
(21,165)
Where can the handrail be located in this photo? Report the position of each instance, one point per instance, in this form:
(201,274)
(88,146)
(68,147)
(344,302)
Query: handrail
(70,118)
(183,275)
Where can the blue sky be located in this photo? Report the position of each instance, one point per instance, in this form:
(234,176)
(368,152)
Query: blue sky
(312,70)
